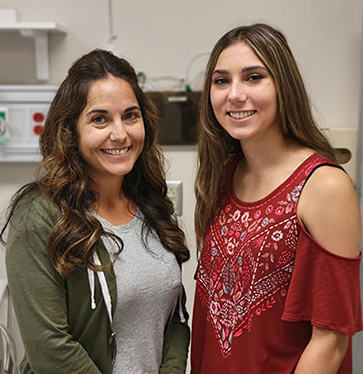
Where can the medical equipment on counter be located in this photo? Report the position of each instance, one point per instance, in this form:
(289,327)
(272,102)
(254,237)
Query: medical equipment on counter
(4,126)
(24,108)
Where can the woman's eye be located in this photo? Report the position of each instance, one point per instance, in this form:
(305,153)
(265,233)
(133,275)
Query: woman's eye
(131,116)
(220,81)
(99,120)
(254,78)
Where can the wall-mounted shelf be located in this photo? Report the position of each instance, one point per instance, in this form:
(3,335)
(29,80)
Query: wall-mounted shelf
(39,31)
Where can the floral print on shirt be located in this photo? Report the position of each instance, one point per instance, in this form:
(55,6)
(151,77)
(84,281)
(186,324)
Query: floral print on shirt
(248,258)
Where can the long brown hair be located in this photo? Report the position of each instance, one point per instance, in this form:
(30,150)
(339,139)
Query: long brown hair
(215,145)
(61,177)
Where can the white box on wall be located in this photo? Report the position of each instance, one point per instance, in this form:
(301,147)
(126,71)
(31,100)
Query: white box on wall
(26,107)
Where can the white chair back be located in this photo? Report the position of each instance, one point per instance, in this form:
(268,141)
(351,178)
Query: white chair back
(7,346)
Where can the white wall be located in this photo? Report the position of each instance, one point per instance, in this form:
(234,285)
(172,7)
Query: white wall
(161,37)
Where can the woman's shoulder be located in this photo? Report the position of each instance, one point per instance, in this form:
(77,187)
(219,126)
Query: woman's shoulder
(330,180)
(305,162)
(34,207)
(30,225)
(329,209)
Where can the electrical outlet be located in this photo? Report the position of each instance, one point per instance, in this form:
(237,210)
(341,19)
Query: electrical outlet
(175,194)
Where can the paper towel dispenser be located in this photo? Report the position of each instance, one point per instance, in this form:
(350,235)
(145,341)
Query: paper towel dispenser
(178,116)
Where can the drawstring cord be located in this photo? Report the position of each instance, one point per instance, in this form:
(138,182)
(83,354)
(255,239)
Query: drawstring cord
(106,297)
(91,279)
(104,287)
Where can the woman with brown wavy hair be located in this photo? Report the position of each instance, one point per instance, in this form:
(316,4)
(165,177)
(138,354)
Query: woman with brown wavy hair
(277,221)
(94,251)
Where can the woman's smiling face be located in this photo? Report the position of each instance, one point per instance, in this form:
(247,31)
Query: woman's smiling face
(243,94)
(110,129)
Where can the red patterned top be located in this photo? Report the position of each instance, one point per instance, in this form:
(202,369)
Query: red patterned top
(262,282)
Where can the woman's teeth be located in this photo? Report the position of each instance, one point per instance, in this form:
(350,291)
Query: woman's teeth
(241,115)
(116,151)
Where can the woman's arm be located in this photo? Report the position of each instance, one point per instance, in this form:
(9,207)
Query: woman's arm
(324,353)
(329,210)
(39,297)
(176,343)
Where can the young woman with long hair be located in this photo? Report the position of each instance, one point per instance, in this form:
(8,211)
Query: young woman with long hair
(277,221)
(94,251)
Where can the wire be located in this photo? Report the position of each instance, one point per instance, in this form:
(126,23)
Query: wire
(153,84)
(110,20)
(195,58)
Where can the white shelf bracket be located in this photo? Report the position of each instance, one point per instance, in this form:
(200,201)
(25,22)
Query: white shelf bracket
(41,52)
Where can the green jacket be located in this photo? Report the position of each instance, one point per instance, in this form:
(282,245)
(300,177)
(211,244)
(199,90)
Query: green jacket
(60,331)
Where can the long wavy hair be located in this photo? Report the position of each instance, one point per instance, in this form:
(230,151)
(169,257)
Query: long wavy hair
(62,179)
(295,117)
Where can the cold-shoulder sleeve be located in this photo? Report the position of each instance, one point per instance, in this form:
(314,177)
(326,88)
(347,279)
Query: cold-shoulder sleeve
(324,288)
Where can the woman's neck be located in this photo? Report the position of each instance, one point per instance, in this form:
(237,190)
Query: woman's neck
(265,166)
(260,156)
(112,204)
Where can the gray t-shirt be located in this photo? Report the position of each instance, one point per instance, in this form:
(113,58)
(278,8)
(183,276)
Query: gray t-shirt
(148,283)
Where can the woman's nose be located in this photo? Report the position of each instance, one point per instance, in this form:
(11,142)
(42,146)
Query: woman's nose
(237,92)
(118,132)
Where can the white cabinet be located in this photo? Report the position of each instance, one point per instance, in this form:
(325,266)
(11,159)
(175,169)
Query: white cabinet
(39,31)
